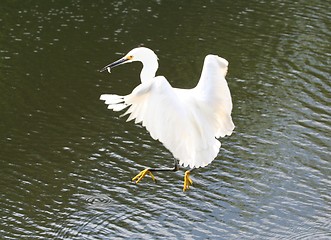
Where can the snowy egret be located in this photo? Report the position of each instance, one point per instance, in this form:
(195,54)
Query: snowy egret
(187,121)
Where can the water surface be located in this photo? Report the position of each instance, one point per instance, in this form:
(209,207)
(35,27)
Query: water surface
(66,161)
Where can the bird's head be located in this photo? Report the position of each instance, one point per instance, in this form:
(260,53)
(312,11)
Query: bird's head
(141,54)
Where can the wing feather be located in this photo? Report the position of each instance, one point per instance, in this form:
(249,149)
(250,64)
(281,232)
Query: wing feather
(215,95)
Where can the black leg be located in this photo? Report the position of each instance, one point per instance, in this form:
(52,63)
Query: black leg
(149,171)
(174,169)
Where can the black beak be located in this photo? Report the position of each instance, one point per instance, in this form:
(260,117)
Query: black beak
(114,64)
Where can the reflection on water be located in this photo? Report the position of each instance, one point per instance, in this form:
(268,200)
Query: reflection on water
(67,162)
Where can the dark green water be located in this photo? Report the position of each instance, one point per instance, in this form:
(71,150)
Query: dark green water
(66,161)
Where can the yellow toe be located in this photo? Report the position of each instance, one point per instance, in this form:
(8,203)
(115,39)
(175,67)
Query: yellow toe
(187,181)
(142,174)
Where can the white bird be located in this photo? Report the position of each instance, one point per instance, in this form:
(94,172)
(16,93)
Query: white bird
(187,121)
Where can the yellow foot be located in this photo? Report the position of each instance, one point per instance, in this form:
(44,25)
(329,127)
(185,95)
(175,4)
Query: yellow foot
(142,174)
(187,181)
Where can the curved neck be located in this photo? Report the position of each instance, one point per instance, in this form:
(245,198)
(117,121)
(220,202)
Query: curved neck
(149,70)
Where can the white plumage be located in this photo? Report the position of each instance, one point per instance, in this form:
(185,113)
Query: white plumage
(187,121)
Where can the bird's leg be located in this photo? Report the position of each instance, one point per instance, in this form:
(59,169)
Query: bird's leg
(149,171)
(187,180)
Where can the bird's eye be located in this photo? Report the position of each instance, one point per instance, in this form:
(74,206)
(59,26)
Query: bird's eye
(130,57)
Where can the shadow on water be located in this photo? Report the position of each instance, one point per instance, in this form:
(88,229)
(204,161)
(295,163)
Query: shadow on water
(67,162)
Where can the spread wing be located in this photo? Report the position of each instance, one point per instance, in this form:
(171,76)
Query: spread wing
(214,95)
(186,121)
